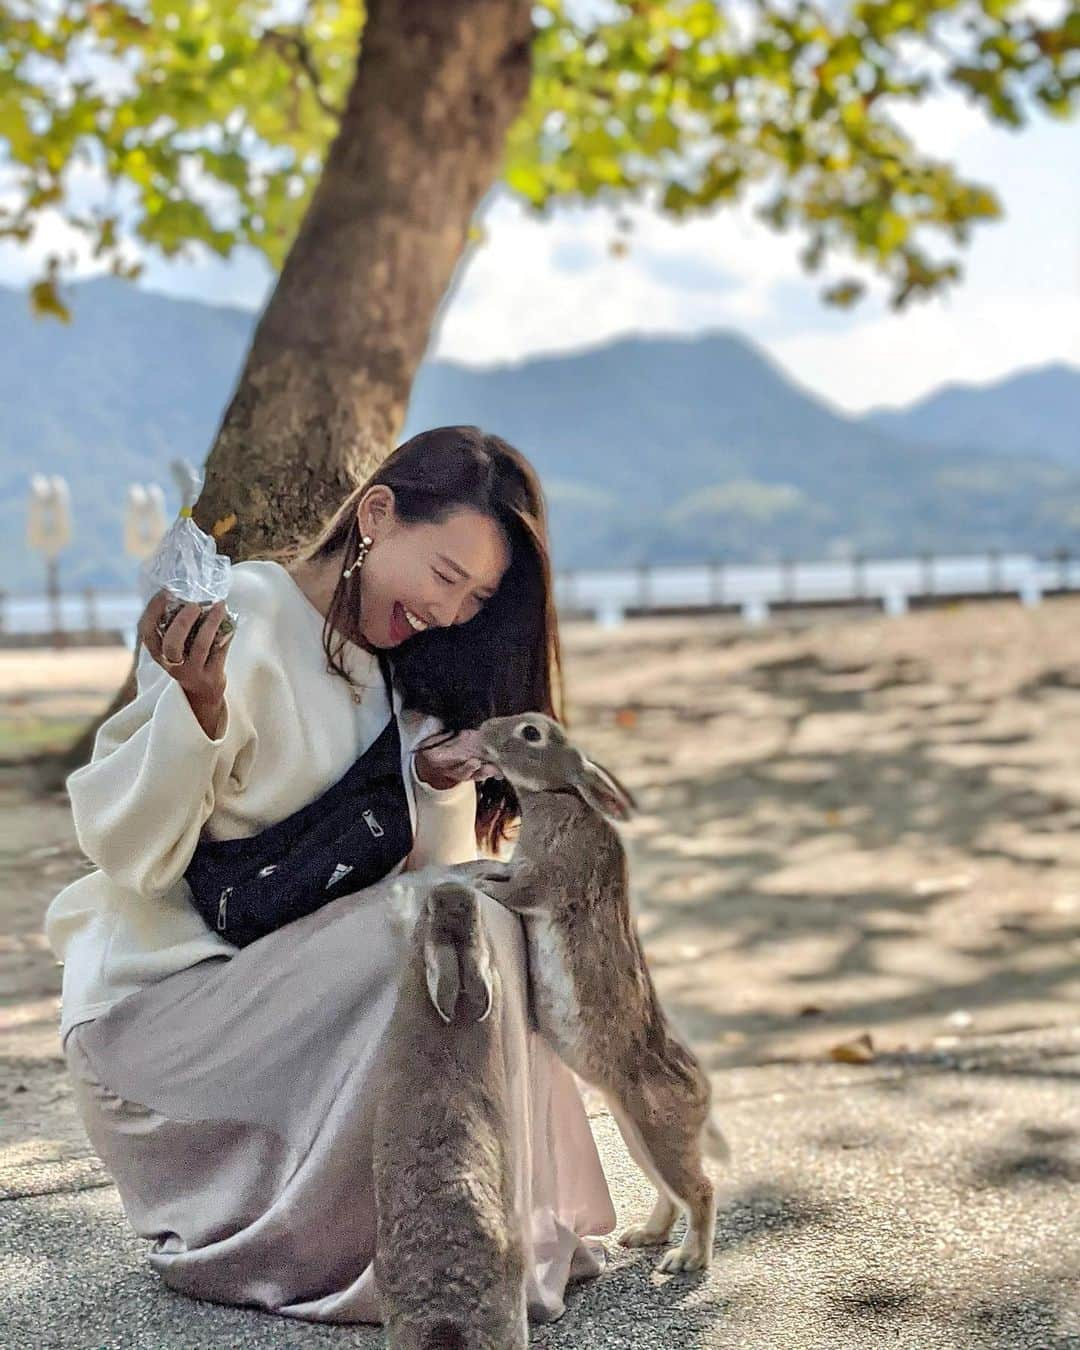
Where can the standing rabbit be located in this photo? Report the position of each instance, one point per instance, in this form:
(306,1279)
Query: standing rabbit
(594,998)
(449,1261)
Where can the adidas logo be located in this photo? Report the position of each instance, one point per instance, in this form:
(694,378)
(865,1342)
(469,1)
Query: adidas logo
(341,870)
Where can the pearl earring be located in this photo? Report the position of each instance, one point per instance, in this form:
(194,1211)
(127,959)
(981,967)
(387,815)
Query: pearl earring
(365,544)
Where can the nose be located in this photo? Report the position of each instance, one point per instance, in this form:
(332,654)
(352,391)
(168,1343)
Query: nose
(445,611)
(441,614)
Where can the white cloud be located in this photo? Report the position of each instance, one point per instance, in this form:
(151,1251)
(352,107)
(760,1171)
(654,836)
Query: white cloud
(520,296)
(553,285)
(1018,306)
(898,359)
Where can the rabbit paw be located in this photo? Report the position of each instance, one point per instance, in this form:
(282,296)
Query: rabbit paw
(683,1260)
(486,874)
(642,1236)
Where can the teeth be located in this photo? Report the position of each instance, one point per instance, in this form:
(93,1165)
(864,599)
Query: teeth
(417,625)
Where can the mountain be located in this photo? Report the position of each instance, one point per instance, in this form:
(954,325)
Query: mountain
(1035,412)
(659,449)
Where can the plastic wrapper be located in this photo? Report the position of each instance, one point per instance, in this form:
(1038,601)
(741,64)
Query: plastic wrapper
(187,565)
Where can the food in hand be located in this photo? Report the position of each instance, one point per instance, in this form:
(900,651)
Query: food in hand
(225,628)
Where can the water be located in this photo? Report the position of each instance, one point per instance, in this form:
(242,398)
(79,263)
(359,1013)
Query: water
(607,594)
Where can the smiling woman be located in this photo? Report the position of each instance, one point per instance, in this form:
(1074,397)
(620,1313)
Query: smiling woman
(454,582)
(231,967)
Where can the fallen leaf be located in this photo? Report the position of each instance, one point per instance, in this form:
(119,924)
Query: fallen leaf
(810,1010)
(626,718)
(858,1051)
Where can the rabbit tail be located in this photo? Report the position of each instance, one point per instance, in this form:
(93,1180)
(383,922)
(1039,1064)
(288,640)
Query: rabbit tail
(714,1141)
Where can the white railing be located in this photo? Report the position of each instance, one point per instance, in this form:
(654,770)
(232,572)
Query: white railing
(608,595)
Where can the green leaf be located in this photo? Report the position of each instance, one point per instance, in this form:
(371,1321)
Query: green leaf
(219,129)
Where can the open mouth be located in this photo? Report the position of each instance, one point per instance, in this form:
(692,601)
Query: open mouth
(406,622)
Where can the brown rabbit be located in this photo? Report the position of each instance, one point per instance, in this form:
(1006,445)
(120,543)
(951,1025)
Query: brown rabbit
(594,998)
(449,1261)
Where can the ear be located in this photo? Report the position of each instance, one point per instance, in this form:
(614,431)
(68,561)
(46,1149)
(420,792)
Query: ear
(375,510)
(443,978)
(603,791)
(477,983)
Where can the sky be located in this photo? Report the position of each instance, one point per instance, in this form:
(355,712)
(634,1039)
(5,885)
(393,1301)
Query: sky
(552,285)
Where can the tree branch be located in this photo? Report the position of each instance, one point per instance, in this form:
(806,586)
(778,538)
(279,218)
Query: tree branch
(293,48)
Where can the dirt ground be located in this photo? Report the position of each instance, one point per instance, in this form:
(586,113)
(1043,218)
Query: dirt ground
(862,828)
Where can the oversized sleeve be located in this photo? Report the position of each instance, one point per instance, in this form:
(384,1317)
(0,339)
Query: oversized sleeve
(141,802)
(445,817)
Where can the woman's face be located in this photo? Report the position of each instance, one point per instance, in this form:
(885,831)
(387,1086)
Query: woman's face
(425,575)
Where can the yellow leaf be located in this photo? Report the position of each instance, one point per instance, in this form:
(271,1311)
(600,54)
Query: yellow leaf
(858,1051)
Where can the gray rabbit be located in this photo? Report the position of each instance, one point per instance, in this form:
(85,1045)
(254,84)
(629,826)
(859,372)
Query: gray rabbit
(449,1258)
(592,991)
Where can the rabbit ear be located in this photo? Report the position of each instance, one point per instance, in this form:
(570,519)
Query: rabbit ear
(603,791)
(477,980)
(443,978)
(459,975)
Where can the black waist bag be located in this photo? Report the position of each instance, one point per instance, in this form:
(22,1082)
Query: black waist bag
(351,836)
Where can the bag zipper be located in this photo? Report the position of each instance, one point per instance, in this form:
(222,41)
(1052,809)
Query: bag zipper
(223,901)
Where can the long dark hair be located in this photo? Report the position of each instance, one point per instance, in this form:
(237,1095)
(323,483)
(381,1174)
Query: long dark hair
(505,660)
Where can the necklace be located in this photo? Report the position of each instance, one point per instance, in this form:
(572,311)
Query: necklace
(355,691)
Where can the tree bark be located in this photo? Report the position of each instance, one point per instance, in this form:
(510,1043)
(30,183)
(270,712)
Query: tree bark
(323,393)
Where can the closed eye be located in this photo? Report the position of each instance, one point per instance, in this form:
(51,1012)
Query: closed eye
(481,600)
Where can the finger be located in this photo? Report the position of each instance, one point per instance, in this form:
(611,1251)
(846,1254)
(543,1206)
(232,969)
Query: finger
(150,617)
(200,646)
(447,758)
(216,660)
(436,742)
(460,769)
(468,743)
(174,641)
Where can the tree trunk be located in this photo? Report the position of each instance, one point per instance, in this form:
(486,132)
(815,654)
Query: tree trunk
(324,390)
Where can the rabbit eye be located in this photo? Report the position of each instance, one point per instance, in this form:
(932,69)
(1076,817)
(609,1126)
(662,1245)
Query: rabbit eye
(530,733)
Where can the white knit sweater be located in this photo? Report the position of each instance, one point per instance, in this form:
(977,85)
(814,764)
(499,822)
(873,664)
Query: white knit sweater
(289,730)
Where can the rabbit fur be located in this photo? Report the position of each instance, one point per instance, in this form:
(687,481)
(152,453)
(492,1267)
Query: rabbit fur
(591,988)
(449,1258)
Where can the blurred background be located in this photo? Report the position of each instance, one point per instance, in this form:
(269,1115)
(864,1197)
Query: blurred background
(750,284)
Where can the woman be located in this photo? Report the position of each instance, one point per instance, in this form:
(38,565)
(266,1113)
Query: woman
(230,1090)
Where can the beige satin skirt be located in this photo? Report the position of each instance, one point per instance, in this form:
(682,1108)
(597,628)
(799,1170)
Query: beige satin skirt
(233,1104)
